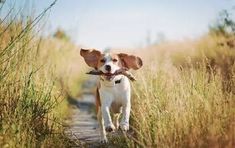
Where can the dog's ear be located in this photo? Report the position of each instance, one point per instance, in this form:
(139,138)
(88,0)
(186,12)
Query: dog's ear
(130,61)
(91,57)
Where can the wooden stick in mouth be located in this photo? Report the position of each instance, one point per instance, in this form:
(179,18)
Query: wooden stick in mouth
(122,71)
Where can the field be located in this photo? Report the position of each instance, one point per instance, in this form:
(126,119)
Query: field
(187,97)
(184,95)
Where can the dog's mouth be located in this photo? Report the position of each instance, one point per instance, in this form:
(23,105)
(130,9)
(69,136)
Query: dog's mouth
(109,76)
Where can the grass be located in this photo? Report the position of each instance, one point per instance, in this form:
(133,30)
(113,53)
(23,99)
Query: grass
(187,97)
(31,100)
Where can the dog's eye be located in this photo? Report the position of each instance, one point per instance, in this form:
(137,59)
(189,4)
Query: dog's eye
(102,60)
(115,60)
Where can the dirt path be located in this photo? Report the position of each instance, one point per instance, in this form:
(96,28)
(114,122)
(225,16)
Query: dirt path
(82,125)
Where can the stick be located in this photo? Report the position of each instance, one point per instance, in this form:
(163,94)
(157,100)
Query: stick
(122,71)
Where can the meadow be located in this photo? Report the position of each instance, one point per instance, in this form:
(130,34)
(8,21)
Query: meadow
(184,95)
(186,99)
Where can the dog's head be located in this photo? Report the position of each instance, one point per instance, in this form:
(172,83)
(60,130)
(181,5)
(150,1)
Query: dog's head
(109,63)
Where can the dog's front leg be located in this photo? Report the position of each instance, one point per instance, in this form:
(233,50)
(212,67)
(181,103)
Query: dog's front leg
(106,101)
(109,127)
(126,109)
(102,130)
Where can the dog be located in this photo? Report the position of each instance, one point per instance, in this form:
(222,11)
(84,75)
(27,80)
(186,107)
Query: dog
(113,91)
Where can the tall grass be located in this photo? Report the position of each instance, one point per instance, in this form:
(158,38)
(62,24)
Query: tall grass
(29,94)
(186,100)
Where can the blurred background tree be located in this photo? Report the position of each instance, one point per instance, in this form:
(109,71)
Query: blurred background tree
(224,25)
(61,34)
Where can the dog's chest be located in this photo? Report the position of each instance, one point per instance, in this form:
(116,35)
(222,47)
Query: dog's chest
(117,93)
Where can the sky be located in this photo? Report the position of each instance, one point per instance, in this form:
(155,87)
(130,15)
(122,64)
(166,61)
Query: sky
(130,23)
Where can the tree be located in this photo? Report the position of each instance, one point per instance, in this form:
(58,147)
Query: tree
(61,34)
(224,25)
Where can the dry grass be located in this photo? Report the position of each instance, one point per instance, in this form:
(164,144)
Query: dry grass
(186,97)
(31,100)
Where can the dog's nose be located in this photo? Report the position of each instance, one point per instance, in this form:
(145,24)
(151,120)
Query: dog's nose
(108,67)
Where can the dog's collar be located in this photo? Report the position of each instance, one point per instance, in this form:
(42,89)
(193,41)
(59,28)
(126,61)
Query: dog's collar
(115,82)
(118,81)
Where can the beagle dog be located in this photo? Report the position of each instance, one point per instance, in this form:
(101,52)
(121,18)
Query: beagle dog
(113,92)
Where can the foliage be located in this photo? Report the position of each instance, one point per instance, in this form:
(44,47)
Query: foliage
(61,34)
(224,25)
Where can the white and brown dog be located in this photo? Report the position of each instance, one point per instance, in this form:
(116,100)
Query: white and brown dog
(113,92)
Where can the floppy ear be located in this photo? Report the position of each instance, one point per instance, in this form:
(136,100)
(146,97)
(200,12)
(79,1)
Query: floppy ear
(91,57)
(130,61)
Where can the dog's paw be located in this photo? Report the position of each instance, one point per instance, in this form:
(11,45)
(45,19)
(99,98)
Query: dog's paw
(110,128)
(124,127)
(104,140)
